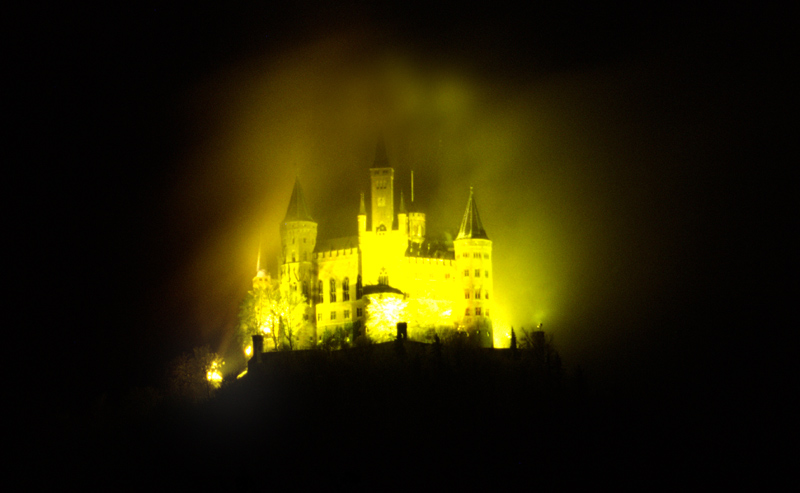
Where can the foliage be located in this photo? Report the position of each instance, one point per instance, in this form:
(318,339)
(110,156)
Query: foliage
(278,315)
(337,338)
(382,317)
(194,377)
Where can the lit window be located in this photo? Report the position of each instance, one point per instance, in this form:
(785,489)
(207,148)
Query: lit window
(333,291)
(477,273)
(346,290)
(447,276)
(477,294)
(478,311)
(466,294)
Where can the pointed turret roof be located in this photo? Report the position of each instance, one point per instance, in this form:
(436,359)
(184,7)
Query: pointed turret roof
(297,211)
(402,204)
(362,209)
(471,226)
(381,160)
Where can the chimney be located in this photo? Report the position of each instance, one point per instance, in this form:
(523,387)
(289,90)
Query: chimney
(402,331)
(258,347)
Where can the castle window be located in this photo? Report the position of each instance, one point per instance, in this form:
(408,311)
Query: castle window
(447,276)
(305,289)
(319,317)
(347,314)
(359,312)
(487,294)
(359,288)
(476,255)
(333,315)
(477,273)
(383,278)
(466,294)
(319,293)
(477,294)
(466,313)
(478,311)
(346,290)
(486,272)
(333,291)
(466,272)
(294,257)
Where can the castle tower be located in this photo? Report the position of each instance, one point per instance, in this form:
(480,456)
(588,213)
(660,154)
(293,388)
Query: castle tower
(473,251)
(382,196)
(298,239)
(402,216)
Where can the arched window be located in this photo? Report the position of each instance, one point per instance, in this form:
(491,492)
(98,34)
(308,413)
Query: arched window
(383,278)
(346,289)
(359,288)
(333,290)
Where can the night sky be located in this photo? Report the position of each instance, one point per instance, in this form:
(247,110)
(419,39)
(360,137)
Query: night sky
(619,160)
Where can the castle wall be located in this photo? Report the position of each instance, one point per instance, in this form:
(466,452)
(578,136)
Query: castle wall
(337,266)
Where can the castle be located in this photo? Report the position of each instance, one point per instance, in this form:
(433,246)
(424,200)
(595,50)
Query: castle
(389,272)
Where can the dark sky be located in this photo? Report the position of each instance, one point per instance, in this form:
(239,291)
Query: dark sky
(618,158)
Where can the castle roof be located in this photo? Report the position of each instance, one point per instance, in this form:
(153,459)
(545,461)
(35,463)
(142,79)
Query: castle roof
(342,243)
(431,248)
(297,211)
(471,226)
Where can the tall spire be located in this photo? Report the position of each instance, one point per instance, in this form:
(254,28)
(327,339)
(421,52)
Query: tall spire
(362,209)
(402,204)
(381,160)
(471,226)
(297,211)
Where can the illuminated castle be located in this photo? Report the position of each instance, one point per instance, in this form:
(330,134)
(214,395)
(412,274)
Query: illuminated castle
(389,272)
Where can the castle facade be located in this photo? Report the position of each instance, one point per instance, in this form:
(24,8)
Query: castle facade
(389,272)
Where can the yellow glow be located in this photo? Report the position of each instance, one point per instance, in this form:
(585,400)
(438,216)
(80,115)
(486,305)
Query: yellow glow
(242,374)
(213,374)
(248,351)
(382,317)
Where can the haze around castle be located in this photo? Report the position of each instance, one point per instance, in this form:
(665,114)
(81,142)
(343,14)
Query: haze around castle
(571,207)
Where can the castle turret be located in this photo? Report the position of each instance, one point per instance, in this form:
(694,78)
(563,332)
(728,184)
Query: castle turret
(362,217)
(473,251)
(402,216)
(298,238)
